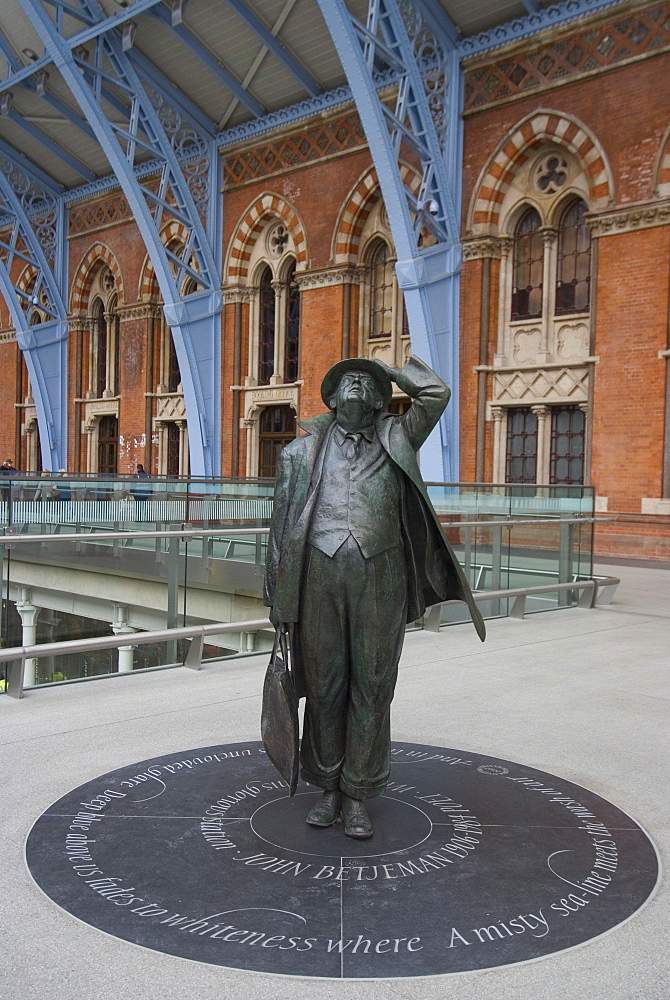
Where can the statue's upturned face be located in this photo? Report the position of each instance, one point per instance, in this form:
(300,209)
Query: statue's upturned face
(359,387)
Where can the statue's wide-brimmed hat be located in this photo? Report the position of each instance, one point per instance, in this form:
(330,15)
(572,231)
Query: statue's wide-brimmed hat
(373,368)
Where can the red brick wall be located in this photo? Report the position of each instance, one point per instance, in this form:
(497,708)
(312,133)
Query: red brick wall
(631,328)
(627,111)
(471,284)
(321,344)
(626,108)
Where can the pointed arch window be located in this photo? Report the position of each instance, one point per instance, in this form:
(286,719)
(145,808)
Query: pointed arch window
(573,266)
(266,327)
(100,347)
(173,373)
(292,327)
(382,317)
(528,267)
(382,290)
(105,330)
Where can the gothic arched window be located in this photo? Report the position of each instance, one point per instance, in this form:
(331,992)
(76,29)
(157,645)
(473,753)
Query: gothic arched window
(292,326)
(266,327)
(527,267)
(382,290)
(573,265)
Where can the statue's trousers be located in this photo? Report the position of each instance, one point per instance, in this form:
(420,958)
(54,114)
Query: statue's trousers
(351,631)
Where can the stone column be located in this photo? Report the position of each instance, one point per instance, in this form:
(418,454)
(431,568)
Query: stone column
(277,377)
(29,614)
(120,626)
(548,294)
(108,392)
(504,299)
(498,412)
(542,454)
(183,447)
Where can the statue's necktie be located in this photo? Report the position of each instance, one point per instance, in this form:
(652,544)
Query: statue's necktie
(350,445)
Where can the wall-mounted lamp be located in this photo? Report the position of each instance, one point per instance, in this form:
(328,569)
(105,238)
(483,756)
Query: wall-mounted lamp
(41,80)
(30,55)
(177,15)
(6,102)
(128,35)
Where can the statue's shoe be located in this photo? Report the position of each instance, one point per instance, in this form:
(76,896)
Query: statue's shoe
(356,820)
(327,809)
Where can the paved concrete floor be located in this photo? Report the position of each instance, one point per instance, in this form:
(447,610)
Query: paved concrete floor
(582,694)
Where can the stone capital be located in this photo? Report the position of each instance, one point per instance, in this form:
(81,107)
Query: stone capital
(328,277)
(487,246)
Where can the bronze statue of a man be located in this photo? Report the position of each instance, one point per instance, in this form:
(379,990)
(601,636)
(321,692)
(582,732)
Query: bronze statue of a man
(355,552)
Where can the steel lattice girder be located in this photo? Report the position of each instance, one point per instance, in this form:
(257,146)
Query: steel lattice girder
(196,325)
(428,277)
(31,216)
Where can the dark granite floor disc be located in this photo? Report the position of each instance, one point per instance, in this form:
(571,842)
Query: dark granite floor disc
(475,863)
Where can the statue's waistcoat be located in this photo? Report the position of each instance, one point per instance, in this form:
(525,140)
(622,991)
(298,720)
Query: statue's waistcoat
(358,494)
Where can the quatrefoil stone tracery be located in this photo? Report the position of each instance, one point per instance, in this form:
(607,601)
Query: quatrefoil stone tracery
(277,240)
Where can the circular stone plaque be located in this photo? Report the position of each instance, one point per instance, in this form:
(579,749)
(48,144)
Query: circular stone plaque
(475,863)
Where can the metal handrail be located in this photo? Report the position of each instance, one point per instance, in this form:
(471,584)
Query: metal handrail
(11,537)
(595,584)
(17,655)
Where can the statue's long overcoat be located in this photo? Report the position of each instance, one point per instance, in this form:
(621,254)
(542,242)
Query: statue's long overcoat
(433,572)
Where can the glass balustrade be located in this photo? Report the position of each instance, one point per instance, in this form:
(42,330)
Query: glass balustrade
(103,557)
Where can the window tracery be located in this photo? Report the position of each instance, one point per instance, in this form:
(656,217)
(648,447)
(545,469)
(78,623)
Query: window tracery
(540,367)
(272,381)
(383,326)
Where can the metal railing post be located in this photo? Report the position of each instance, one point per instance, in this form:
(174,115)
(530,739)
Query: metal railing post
(565,573)
(172,592)
(15,677)
(496,563)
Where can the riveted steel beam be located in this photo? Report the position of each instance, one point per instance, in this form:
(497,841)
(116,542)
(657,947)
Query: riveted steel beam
(194,318)
(32,279)
(421,123)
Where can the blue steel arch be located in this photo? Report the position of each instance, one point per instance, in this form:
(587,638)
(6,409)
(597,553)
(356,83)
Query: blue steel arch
(32,218)
(194,319)
(422,58)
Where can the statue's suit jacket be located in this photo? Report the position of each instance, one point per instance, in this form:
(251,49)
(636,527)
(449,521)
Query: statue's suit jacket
(433,572)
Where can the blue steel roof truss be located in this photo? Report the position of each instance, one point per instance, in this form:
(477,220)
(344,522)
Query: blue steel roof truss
(108,76)
(183,187)
(385,40)
(33,214)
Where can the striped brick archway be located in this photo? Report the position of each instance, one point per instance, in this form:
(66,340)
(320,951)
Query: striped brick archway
(359,204)
(95,258)
(518,146)
(267,206)
(174,233)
